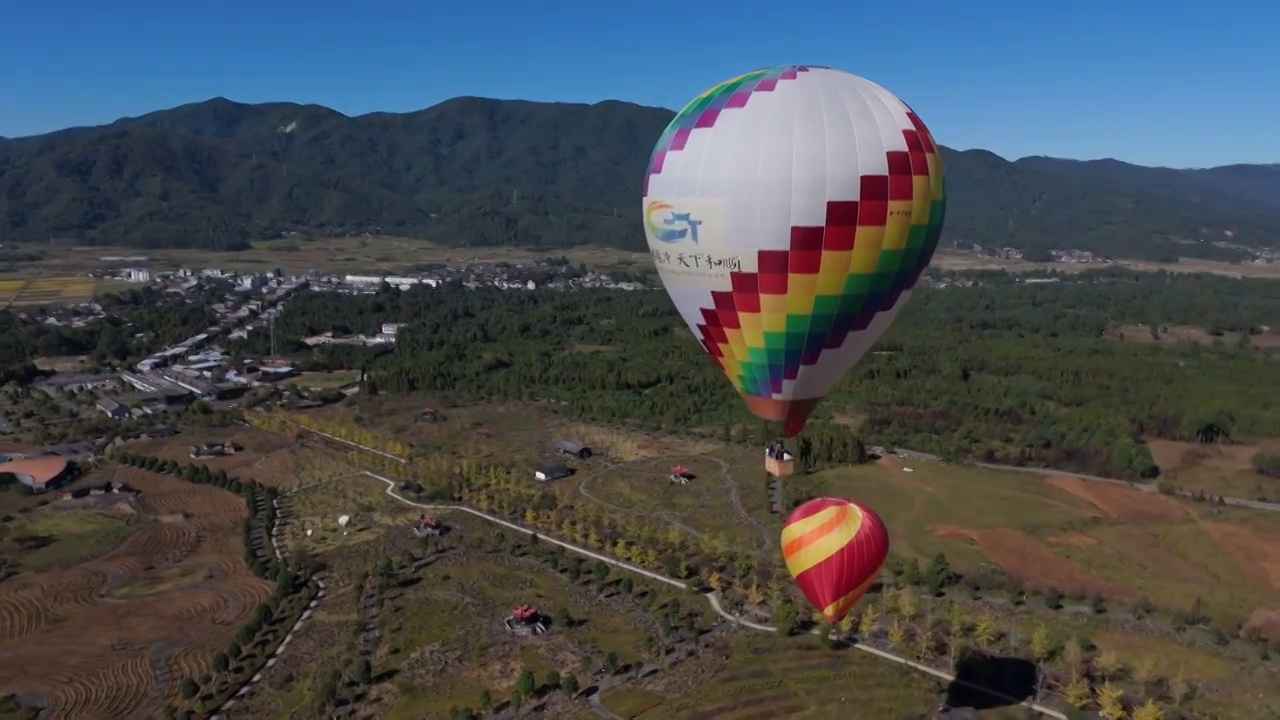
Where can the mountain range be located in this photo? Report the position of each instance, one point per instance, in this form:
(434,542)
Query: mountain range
(476,171)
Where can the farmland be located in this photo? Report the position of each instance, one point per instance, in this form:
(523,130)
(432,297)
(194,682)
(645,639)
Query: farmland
(351,255)
(48,290)
(155,586)
(1124,562)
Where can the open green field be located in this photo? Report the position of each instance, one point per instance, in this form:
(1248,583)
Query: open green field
(61,539)
(325,380)
(338,255)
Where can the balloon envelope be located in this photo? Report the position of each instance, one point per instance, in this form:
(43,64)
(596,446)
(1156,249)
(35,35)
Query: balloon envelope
(834,549)
(790,211)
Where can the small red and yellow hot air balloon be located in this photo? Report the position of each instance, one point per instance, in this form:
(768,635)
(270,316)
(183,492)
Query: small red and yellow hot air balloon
(834,548)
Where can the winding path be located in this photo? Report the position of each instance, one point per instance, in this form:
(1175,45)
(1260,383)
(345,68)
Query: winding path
(712,598)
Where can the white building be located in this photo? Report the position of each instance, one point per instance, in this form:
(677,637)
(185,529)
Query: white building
(138,275)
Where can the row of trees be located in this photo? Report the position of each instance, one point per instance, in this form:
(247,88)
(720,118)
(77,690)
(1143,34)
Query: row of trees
(256,639)
(1004,371)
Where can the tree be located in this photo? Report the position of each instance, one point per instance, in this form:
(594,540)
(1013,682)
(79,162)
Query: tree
(897,633)
(562,618)
(1144,672)
(570,685)
(785,617)
(984,630)
(611,663)
(869,621)
(486,699)
(908,604)
(755,595)
(1148,711)
(924,644)
(1111,702)
(553,680)
(221,662)
(364,671)
(1108,665)
(1042,645)
(846,624)
(1073,655)
(525,684)
(189,688)
(1077,692)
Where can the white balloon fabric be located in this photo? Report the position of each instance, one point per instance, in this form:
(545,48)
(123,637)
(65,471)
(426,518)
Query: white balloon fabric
(790,212)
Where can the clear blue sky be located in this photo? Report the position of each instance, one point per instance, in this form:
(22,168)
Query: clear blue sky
(1182,84)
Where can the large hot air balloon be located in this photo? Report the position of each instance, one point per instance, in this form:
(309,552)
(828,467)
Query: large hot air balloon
(834,548)
(790,211)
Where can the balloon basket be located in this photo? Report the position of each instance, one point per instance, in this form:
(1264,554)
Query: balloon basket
(779,468)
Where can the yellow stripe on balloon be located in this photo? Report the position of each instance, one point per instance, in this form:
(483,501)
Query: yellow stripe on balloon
(840,607)
(799,542)
(805,525)
(825,546)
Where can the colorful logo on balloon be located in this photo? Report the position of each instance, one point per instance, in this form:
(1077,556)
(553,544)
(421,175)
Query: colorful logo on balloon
(666,225)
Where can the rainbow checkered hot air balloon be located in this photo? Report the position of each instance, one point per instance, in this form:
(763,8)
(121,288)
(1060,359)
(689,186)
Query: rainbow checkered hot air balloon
(834,549)
(790,212)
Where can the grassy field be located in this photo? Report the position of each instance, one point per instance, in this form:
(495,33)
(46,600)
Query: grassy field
(73,537)
(768,677)
(325,380)
(1217,469)
(328,488)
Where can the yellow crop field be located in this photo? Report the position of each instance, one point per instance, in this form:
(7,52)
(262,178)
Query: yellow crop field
(49,290)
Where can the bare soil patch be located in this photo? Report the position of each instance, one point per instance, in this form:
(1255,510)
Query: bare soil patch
(1121,502)
(1034,564)
(1265,624)
(1074,538)
(1258,554)
(264,457)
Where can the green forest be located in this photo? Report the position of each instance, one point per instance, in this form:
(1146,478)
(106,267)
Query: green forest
(480,172)
(1006,371)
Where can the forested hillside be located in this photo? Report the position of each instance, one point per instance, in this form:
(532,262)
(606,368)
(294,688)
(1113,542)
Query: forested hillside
(1008,371)
(473,171)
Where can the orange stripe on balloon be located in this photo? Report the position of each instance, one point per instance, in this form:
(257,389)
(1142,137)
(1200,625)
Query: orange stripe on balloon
(797,544)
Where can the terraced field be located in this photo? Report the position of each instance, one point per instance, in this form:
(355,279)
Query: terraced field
(114,636)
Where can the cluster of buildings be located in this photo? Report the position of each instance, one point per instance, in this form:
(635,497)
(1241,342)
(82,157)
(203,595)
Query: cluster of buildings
(506,276)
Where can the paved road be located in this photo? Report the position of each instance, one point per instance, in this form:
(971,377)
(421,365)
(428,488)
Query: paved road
(712,598)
